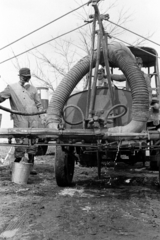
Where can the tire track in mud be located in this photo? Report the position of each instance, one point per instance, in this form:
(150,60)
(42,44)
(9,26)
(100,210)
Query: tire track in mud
(14,226)
(107,216)
(109,208)
(20,205)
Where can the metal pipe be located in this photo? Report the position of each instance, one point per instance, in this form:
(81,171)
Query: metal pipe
(93,91)
(105,51)
(91,65)
(76,133)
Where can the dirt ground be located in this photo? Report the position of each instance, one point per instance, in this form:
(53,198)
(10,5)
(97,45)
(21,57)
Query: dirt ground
(123,204)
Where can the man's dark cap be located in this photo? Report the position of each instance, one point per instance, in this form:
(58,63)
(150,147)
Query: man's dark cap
(25,72)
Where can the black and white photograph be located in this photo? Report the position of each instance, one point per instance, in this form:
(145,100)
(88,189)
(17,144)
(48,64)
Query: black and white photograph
(79,120)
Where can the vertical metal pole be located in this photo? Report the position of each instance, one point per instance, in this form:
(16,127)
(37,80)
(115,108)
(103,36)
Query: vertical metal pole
(157,77)
(93,91)
(102,39)
(159,171)
(105,55)
(105,47)
(91,65)
(99,160)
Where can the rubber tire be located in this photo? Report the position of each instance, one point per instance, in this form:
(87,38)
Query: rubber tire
(64,167)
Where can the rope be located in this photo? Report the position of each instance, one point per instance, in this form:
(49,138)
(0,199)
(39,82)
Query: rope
(43,26)
(135,47)
(133,32)
(43,43)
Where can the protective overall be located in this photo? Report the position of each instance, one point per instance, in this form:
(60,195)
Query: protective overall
(24,99)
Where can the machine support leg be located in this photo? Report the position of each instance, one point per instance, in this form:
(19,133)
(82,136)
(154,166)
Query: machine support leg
(159,171)
(99,164)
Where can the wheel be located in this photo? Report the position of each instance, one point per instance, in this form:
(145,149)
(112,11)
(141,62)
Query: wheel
(64,167)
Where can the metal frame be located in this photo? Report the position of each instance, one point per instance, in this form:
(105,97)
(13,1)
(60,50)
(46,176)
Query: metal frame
(92,138)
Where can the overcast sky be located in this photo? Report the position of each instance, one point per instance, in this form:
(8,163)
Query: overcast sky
(19,17)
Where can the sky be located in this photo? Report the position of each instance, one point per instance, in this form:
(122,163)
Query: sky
(20,17)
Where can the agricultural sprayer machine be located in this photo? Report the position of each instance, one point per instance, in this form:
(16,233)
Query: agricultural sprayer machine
(102,124)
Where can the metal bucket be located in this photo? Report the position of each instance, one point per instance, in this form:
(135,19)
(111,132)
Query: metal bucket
(20,172)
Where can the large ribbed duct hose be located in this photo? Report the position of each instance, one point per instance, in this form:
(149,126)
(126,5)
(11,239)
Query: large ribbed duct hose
(121,56)
(63,91)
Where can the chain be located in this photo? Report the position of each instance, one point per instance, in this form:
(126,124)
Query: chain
(118,148)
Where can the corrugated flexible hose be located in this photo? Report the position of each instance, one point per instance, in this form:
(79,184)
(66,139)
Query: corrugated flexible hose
(120,55)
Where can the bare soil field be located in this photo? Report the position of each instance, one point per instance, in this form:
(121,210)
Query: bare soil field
(123,204)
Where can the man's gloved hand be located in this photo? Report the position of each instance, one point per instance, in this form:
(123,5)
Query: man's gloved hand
(43,118)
